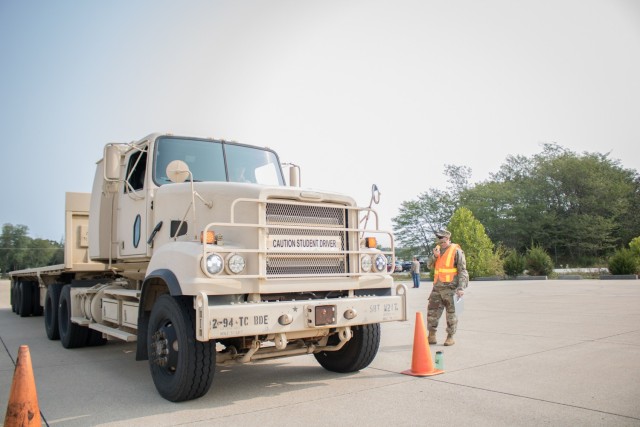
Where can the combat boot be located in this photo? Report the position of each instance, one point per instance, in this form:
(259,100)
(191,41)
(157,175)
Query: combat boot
(449,340)
(432,336)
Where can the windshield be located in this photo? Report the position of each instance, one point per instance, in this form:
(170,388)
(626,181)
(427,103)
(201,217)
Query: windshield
(211,160)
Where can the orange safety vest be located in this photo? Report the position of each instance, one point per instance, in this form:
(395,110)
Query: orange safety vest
(445,269)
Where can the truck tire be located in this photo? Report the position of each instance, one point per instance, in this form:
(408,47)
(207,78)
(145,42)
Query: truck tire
(36,309)
(14,297)
(24,299)
(182,368)
(356,354)
(51,301)
(17,297)
(71,334)
(95,338)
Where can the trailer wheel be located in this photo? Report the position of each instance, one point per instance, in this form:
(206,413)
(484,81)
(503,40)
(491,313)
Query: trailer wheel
(71,334)
(95,338)
(37,309)
(24,299)
(51,301)
(356,354)
(14,297)
(182,368)
(17,297)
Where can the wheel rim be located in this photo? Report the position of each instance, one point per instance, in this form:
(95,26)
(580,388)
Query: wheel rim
(165,348)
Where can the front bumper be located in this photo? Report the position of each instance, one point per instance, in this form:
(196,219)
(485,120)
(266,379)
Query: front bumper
(283,317)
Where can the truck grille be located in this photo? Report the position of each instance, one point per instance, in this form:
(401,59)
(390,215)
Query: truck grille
(306,239)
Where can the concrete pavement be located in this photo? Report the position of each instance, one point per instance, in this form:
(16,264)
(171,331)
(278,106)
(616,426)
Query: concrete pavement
(528,353)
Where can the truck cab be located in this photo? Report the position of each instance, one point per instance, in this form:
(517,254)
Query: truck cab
(210,257)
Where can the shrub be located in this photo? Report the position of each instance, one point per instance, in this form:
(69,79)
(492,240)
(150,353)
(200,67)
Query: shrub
(470,234)
(634,245)
(513,264)
(623,262)
(538,262)
(495,262)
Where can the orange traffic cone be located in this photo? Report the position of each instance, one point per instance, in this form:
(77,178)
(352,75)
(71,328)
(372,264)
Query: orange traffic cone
(23,409)
(421,361)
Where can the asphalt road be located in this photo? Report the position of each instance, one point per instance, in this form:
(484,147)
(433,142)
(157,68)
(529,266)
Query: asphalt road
(528,353)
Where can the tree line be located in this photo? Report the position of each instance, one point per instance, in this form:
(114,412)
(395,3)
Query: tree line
(19,251)
(579,208)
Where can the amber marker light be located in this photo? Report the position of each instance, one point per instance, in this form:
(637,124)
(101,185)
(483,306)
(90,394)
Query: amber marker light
(370,242)
(211,237)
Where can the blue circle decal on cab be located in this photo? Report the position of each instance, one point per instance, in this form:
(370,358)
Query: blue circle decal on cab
(136,231)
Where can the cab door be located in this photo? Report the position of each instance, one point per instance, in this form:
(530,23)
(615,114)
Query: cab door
(133,205)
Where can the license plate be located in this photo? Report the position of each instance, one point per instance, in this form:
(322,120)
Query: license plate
(325,315)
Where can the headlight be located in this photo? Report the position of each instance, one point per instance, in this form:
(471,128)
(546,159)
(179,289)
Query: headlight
(365,263)
(381,262)
(235,263)
(214,264)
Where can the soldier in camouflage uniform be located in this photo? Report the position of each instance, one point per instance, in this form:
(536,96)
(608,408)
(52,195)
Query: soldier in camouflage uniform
(450,278)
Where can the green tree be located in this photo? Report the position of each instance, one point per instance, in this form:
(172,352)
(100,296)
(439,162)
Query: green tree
(628,225)
(14,244)
(419,219)
(42,252)
(586,198)
(634,245)
(19,251)
(469,233)
(457,179)
(58,255)
(576,207)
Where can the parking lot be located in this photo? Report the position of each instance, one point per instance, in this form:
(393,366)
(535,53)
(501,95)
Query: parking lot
(530,353)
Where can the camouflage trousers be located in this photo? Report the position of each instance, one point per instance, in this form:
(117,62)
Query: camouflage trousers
(442,298)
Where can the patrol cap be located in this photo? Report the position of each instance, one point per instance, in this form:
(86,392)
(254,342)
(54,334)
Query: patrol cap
(443,233)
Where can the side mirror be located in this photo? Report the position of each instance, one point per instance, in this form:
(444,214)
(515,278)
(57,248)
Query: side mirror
(294,175)
(111,163)
(375,195)
(178,171)
(375,198)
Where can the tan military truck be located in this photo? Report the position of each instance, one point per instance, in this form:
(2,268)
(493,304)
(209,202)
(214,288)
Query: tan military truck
(199,251)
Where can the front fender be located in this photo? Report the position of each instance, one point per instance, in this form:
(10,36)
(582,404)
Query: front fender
(178,263)
(182,263)
(161,279)
(165,275)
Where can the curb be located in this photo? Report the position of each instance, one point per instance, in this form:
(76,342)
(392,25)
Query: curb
(618,277)
(486,278)
(531,277)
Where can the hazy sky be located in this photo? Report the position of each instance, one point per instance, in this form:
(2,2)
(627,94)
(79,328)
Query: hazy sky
(356,92)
